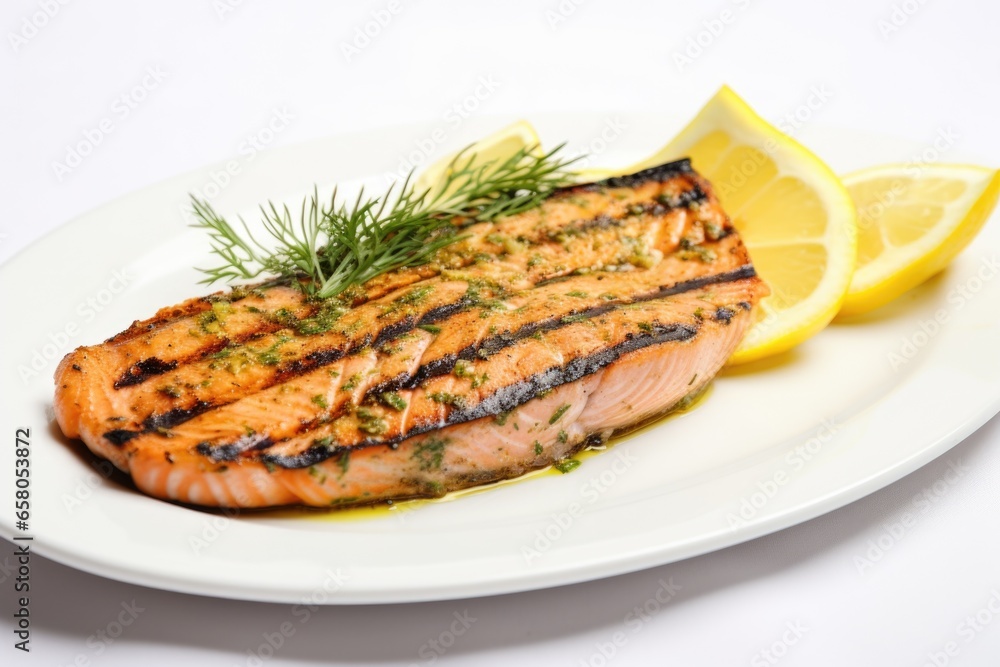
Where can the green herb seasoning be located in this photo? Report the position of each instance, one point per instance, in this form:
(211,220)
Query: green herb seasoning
(393,400)
(566,465)
(429,453)
(371,422)
(317,474)
(170,390)
(558,414)
(447,399)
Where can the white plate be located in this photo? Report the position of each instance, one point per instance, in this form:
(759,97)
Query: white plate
(729,471)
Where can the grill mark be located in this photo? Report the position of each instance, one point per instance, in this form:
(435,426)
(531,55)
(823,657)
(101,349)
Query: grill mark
(119,436)
(141,371)
(172,418)
(159,422)
(395,330)
(191,308)
(724,315)
(151,367)
(324,357)
(662,172)
(252,442)
(145,326)
(509,397)
(693,195)
(231,451)
(443,312)
(259,330)
(581,226)
(493,344)
(602,221)
(310,362)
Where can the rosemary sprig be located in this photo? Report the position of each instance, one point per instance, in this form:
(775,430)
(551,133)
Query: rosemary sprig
(333,246)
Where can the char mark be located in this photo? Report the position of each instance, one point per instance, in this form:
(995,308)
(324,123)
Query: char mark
(445,311)
(724,315)
(158,422)
(497,342)
(602,221)
(692,195)
(153,366)
(511,396)
(310,362)
(141,371)
(232,450)
(120,436)
(394,330)
(659,173)
(171,418)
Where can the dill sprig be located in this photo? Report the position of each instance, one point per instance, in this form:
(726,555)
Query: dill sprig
(333,246)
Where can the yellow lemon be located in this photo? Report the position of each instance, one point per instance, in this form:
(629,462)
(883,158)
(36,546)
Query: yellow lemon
(796,217)
(912,222)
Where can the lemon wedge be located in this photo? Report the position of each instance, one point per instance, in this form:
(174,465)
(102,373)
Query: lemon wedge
(499,146)
(912,222)
(791,210)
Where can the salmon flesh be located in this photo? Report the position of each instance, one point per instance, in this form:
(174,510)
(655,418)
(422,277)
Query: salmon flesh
(536,335)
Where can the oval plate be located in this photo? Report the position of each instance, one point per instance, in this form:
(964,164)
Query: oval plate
(775,444)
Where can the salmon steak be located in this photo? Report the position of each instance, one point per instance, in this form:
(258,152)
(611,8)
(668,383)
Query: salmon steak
(532,337)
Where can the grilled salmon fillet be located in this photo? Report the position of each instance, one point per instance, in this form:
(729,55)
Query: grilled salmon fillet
(536,335)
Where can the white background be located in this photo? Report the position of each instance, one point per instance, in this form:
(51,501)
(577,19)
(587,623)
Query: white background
(222,76)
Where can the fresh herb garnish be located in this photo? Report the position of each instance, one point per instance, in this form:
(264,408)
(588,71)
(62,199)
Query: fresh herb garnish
(333,247)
